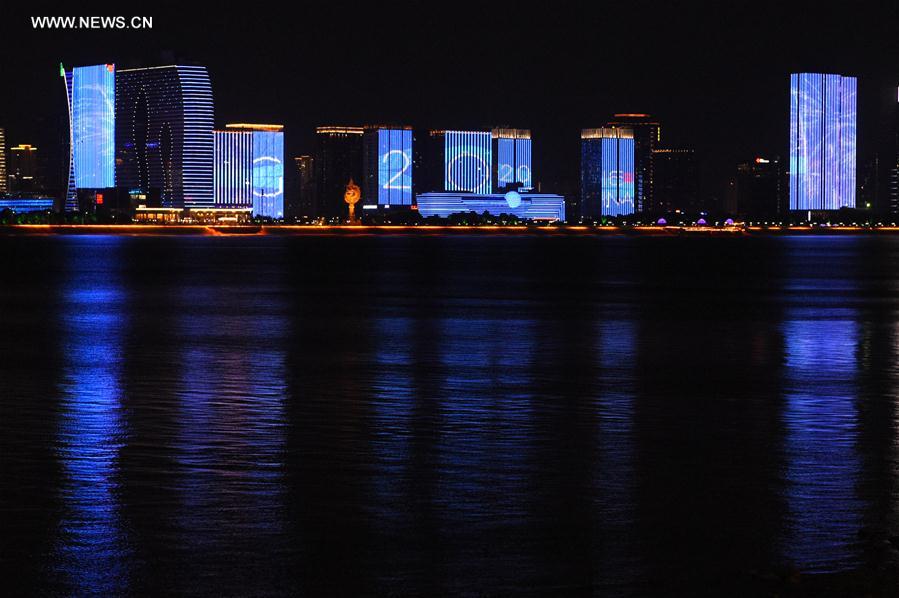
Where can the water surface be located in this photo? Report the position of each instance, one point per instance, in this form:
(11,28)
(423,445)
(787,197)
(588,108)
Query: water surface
(446,415)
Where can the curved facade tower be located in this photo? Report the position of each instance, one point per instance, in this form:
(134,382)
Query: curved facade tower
(164,140)
(90,93)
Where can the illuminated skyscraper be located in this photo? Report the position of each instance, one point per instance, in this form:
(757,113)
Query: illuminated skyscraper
(647,137)
(338,158)
(164,142)
(3,182)
(822,141)
(512,165)
(90,91)
(249,169)
(388,164)
(607,172)
(460,161)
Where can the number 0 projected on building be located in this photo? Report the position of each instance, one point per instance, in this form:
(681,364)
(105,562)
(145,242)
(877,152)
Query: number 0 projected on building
(468,161)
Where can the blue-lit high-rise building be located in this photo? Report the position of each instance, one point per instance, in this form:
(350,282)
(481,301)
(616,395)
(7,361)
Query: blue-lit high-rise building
(249,169)
(822,141)
(90,93)
(512,166)
(388,166)
(164,139)
(466,160)
(607,172)
(3,180)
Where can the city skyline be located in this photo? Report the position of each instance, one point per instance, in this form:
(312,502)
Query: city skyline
(718,93)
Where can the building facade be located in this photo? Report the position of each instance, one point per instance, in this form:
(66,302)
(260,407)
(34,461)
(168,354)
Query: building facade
(303,200)
(90,92)
(388,166)
(23,169)
(337,159)
(647,138)
(4,187)
(676,173)
(164,134)
(532,206)
(607,172)
(512,160)
(822,141)
(248,169)
(888,155)
(759,196)
(458,161)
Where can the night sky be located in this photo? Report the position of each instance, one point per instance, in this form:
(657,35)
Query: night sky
(716,76)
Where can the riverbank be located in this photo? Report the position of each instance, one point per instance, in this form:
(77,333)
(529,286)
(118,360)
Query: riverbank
(314,230)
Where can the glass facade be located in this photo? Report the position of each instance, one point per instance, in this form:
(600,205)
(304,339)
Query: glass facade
(607,172)
(388,165)
(512,152)
(3,186)
(822,141)
(467,161)
(26,204)
(533,206)
(249,169)
(164,139)
(268,174)
(233,169)
(93,126)
(395,167)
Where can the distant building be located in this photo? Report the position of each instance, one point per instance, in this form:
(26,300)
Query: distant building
(23,170)
(888,156)
(822,141)
(647,137)
(759,196)
(512,165)
(249,168)
(676,185)
(893,168)
(338,158)
(90,94)
(25,204)
(607,172)
(163,134)
(303,202)
(533,206)
(3,173)
(388,166)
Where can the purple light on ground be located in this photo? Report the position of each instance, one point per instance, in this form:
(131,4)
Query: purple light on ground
(729,222)
(662,222)
(701,222)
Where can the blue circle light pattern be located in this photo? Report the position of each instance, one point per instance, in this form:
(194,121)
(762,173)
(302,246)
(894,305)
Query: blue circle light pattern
(468,159)
(513,199)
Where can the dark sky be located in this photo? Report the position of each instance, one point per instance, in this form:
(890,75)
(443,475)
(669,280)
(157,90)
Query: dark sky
(716,76)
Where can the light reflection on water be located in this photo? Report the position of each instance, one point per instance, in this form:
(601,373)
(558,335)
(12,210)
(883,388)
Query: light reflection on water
(822,461)
(91,547)
(450,415)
